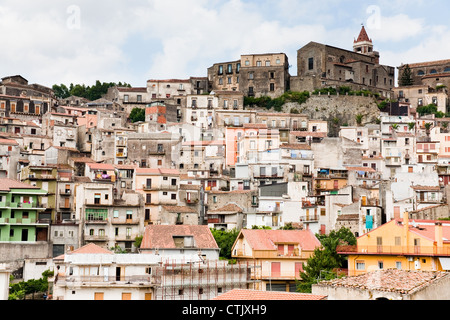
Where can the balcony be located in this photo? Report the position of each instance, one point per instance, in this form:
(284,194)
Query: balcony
(125,221)
(191,201)
(395,250)
(108,280)
(158,152)
(309,218)
(95,238)
(65,192)
(121,155)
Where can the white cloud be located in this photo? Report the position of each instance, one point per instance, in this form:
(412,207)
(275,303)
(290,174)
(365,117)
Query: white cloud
(396,28)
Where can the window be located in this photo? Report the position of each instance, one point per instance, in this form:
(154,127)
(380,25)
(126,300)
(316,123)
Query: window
(398,265)
(258,63)
(380,265)
(267,63)
(229,68)
(173,196)
(250,75)
(360,265)
(125,98)
(272,87)
(310,63)
(220,69)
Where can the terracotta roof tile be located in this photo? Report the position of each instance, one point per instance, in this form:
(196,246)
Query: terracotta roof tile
(392,280)
(267,239)
(246,294)
(7,184)
(161,236)
(100,166)
(231,207)
(363,36)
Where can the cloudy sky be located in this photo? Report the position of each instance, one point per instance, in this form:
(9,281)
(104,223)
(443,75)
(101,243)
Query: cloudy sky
(80,41)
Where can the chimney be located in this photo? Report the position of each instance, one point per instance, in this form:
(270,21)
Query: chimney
(438,235)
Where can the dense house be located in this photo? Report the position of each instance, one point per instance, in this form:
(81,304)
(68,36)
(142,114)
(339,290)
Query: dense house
(94,273)
(389,284)
(110,220)
(281,254)
(159,187)
(21,207)
(401,244)
(166,240)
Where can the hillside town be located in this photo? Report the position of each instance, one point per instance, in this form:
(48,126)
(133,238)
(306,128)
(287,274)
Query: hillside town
(117,208)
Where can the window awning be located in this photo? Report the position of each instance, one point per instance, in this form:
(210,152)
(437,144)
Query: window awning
(445,263)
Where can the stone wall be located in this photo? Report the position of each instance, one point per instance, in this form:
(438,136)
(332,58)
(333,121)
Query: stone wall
(338,110)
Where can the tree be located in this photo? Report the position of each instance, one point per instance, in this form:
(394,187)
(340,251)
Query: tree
(137,114)
(225,240)
(411,125)
(325,260)
(61,91)
(359,118)
(406,77)
(395,126)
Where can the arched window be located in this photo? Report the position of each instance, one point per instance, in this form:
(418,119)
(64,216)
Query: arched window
(420,73)
(433,71)
(447,69)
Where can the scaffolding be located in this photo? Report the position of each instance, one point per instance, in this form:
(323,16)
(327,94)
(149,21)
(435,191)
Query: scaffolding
(202,280)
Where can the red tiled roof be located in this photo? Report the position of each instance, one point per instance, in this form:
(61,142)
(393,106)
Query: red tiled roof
(246,294)
(231,207)
(7,184)
(426,188)
(391,280)
(295,146)
(157,171)
(100,166)
(363,36)
(267,239)
(426,228)
(90,248)
(161,236)
(9,142)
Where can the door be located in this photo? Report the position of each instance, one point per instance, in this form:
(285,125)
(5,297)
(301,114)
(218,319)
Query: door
(118,273)
(148,296)
(126,295)
(98,296)
(24,234)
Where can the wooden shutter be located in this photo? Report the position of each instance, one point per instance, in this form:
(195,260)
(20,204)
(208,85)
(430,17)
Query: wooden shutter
(276,269)
(98,296)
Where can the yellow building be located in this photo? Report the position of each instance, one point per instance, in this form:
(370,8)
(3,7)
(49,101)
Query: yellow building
(280,253)
(401,244)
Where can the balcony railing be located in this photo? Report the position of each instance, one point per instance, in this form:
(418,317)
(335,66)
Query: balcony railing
(144,280)
(395,250)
